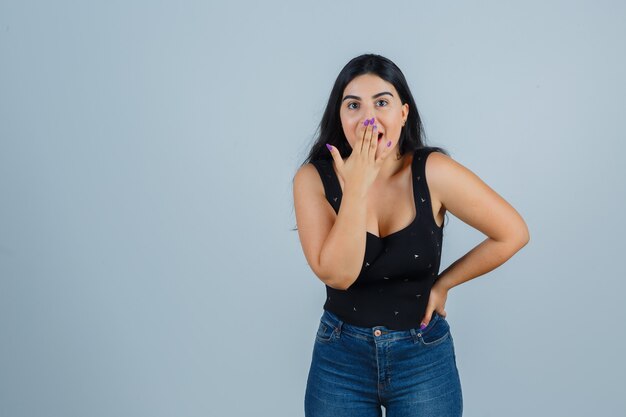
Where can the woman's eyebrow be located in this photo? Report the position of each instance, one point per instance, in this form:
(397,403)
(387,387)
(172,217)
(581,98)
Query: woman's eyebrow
(374,96)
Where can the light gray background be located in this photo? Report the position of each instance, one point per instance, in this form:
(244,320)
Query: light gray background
(147,266)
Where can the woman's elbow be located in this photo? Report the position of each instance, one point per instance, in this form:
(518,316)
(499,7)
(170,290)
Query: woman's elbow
(521,236)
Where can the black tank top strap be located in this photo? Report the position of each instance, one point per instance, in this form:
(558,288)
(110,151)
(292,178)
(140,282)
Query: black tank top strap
(423,198)
(332,188)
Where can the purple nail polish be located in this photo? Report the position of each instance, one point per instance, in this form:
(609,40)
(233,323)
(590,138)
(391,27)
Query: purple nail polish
(372,121)
(423,326)
(330,148)
(366,122)
(389,144)
(375,127)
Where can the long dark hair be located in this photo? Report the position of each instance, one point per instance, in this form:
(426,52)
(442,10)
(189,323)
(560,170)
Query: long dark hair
(330,130)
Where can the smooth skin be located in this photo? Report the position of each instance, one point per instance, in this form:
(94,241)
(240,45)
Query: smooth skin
(377,196)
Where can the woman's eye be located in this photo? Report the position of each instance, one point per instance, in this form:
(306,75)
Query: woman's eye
(379,101)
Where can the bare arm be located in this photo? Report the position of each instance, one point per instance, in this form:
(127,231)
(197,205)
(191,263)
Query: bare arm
(333,244)
(466,196)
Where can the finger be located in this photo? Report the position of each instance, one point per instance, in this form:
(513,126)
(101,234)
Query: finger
(373,143)
(368,136)
(368,127)
(386,150)
(334,152)
(426,320)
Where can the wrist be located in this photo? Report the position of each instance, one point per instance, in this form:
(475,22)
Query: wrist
(356,193)
(443,283)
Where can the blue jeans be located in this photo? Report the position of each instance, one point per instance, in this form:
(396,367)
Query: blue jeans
(354,370)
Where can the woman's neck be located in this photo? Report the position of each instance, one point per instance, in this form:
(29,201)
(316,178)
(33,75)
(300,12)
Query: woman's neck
(393,166)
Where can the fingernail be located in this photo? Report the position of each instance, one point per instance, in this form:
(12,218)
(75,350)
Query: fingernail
(372,120)
(375,127)
(389,144)
(330,148)
(366,122)
(422,326)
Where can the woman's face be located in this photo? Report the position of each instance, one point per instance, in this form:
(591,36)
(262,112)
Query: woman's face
(368,96)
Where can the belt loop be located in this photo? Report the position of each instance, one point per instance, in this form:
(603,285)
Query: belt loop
(414,335)
(339,324)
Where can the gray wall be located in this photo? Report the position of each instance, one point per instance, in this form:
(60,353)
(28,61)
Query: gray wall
(147,266)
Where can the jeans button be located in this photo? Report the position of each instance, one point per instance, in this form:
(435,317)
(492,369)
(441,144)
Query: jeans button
(377,332)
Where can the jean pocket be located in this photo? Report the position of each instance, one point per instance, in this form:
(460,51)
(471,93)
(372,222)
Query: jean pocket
(325,332)
(437,331)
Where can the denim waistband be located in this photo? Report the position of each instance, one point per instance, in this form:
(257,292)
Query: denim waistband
(333,320)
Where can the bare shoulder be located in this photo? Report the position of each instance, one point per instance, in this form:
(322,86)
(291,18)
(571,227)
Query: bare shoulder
(469,198)
(443,172)
(447,177)
(307,175)
(440,166)
(307,185)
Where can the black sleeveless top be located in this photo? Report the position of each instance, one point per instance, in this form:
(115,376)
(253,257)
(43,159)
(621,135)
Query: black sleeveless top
(398,270)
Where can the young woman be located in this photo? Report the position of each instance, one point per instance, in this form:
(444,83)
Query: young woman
(370,201)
